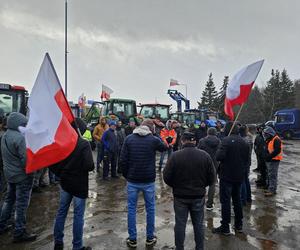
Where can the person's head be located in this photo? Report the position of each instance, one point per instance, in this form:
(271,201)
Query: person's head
(244,130)
(230,125)
(212,131)
(119,124)
(169,124)
(260,128)
(132,123)
(202,124)
(80,124)
(150,124)
(112,124)
(102,121)
(268,133)
(219,125)
(188,138)
(16,120)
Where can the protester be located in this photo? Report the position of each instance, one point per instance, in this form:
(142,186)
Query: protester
(74,181)
(3,183)
(131,126)
(138,167)
(110,147)
(168,135)
(233,156)
(121,135)
(260,151)
(246,187)
(220,130)
(189,171)
(97,135)
(210,144)
(274,155)
(19,184)
(201,132)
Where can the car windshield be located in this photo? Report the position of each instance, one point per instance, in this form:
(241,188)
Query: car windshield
(284,118)
(10,102)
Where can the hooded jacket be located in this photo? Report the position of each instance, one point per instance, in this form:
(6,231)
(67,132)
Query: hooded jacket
(210,145)
(73,171)
(13,149)
(99,130)
(189,171)
(138,155)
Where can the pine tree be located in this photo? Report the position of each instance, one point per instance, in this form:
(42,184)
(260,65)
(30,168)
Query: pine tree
(221,97)
(287,98)
(209,95)
(297,94)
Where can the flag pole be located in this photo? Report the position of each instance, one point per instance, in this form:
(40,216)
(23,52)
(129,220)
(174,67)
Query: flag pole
(236,118)
(66,48)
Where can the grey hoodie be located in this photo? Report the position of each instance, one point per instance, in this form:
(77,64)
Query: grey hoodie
(13,149)
(142,131)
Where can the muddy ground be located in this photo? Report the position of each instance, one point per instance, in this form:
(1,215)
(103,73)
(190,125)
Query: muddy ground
(270,223)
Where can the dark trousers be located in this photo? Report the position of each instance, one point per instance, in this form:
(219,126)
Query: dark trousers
(109,160)
(261,164)
(246,189)
(17,194)
(228,191)
(182,208)
(99,154)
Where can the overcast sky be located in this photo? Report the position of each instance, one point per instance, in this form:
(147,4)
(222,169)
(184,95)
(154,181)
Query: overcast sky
(136,46)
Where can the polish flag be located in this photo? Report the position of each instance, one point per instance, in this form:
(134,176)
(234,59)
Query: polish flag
(49,135)
(173,83)
(240,86)
(106,92)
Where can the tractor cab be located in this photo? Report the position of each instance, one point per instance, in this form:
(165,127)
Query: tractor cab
(157,111)
(122,108)
(12,99)
(185,118)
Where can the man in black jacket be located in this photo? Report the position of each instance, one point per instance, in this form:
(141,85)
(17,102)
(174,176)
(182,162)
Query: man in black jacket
(233,156)
(260,151)
(138,167)
(74,177)
(210,144)
(189,171)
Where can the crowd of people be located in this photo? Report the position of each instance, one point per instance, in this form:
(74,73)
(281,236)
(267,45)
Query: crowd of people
(198,158)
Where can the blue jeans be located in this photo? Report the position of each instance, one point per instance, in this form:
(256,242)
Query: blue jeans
(228,191)
(99,154)
(182,208)
(246,189)
(78,220)
(148,190)
(272,168)
(169,151)
(19,194)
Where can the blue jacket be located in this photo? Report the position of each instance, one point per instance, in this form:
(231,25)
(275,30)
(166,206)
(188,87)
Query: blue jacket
(139,154)
(109,140)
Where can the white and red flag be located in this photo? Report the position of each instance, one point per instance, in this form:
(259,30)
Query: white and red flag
(173,83)
(49,135)
(106,92)
(82,101)
(239,88)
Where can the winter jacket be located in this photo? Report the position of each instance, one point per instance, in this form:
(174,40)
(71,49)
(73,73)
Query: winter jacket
(99,131)
(189,171)
(129,130)
(13,149)
(249,140)
(200,133)
(109,140)
(260,146)
(233,156)
(210,145)
(138,155)
(120,137)
(277,149)
(74,170)
(168,136)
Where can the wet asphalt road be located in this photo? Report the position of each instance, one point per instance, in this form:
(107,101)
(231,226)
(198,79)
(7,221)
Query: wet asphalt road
(270,223)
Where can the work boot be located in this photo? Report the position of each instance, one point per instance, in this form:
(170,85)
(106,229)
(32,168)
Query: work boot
(131,243)
(59,246)
(25,237)
(5,229)
(221,230)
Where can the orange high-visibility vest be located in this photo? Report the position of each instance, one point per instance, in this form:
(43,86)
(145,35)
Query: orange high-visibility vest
(278,157)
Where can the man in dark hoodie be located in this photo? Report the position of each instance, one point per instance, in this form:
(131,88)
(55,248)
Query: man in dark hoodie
(189,171)
(19,184)
(74,181)
(274,155)
(233,156)
(210,145)
(138,167)
(110,145)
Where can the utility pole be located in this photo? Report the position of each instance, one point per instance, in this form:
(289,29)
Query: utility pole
(66,48)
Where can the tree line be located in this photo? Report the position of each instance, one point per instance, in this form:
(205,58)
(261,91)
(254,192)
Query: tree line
(280,92)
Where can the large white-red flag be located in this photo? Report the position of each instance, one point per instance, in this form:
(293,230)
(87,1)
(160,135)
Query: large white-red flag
(49,135)
(106,92)
(240,86)
(173,83)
